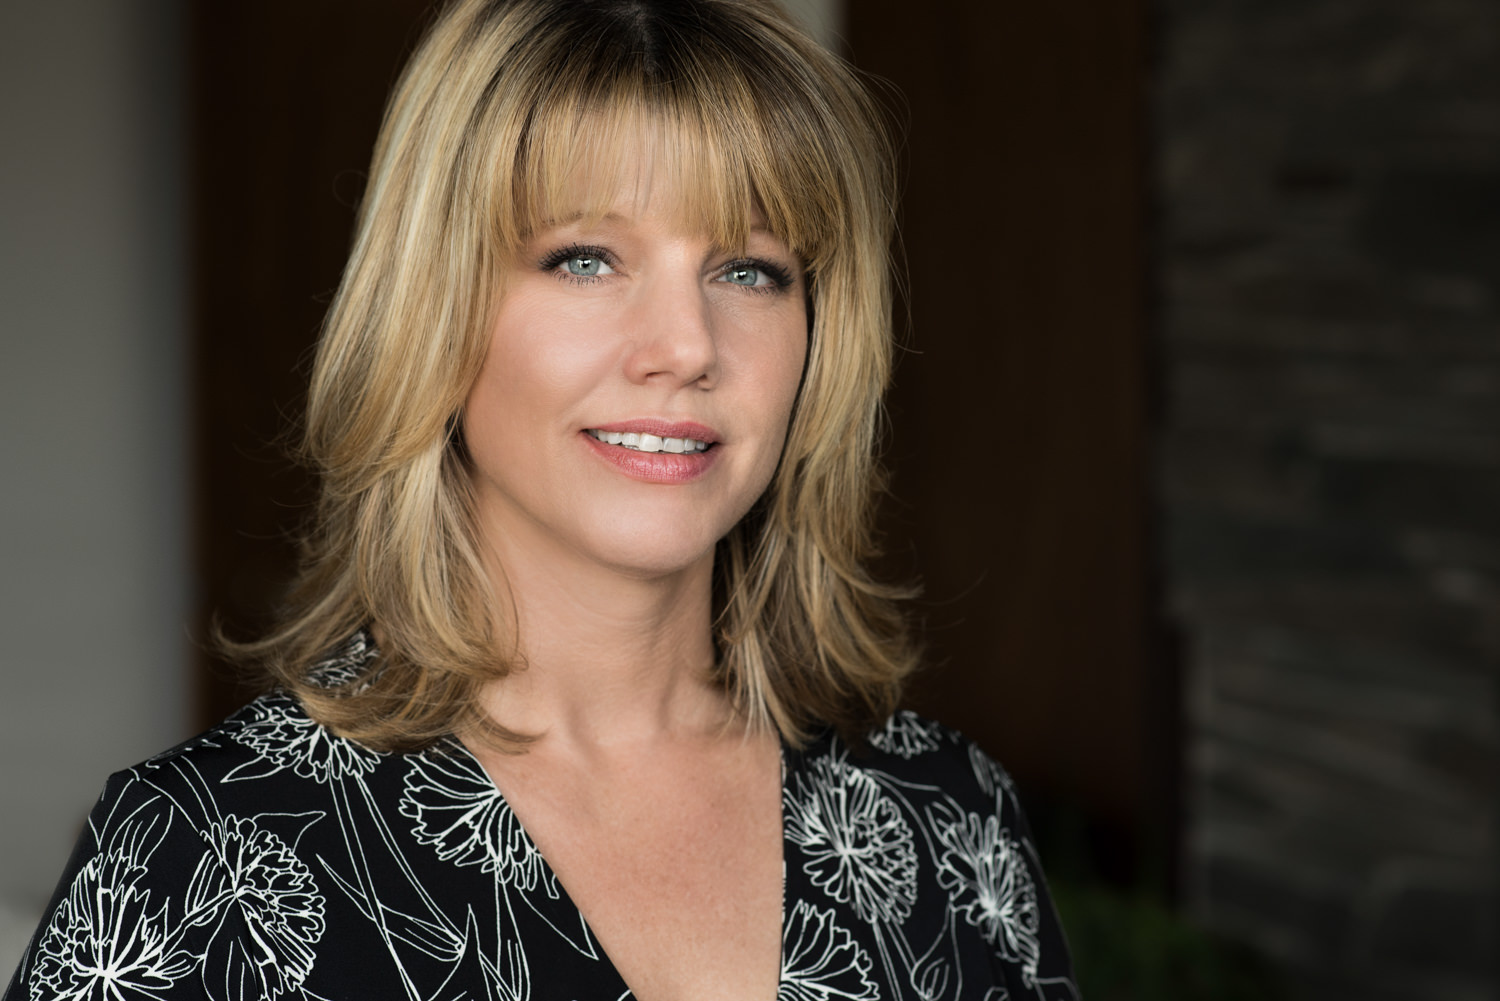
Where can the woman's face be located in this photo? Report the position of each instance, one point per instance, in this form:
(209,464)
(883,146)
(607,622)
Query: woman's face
(637,390)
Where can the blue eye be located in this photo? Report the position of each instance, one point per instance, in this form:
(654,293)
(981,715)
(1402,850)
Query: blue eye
(575,261)
(586,266)
(757,274)
(744,275)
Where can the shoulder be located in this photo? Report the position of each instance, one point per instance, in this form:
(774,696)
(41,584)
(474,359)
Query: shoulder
(186,868)
(913,779)
(269,736)
(968,804)
(272,737)
(921,830)
(268,760)
(918,749)
(926,751)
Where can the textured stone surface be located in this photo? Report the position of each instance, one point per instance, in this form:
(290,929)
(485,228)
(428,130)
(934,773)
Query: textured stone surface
(1328,180)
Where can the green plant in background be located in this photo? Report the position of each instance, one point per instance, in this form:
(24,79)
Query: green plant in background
(1130,946)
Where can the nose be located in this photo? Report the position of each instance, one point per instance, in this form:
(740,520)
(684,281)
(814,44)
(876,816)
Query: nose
(675,338)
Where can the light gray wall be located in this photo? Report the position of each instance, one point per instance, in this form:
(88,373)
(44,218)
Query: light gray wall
(93,435)
(824,19)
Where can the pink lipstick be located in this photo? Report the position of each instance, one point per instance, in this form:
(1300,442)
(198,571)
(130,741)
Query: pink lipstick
(654,450)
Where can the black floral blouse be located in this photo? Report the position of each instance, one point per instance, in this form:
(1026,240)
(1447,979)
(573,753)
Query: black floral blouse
(268,858)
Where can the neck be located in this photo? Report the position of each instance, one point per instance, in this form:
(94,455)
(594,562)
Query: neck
(606,658)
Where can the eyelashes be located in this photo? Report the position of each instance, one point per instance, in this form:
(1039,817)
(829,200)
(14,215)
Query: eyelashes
(594,263)
(780,277)
(579,252)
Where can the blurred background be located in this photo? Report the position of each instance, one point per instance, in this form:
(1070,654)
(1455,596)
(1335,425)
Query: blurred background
(1195,436)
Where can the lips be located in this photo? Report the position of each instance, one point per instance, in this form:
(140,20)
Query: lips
(649,442)
(655,451)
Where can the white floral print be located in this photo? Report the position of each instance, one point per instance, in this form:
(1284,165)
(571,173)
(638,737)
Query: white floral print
(931,975)
(269,859)
(821,961)
(280,905)
(108,938)
(458,810)
(983,867)
(907,735)
(285,737)
(988,773)
(347,665)
(858,845)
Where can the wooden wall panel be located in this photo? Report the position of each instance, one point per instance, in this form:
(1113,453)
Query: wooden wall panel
(1018,414)
(287,100)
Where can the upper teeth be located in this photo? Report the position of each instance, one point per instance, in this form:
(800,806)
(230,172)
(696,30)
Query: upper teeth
(649,442)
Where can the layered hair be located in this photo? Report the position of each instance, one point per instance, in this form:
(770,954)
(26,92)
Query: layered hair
(497,110)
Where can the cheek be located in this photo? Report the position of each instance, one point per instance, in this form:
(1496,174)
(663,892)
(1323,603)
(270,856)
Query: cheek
(538,363)
(786,370)
(777,364)
(499,396)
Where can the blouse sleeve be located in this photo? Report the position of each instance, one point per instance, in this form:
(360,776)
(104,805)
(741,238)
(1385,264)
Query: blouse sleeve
(143,903)
(1046,968)
(1018,919)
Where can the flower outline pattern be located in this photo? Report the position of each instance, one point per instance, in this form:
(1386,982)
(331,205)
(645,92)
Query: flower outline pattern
(255,861)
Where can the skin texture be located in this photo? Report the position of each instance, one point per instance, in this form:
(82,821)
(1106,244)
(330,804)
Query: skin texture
(656,807)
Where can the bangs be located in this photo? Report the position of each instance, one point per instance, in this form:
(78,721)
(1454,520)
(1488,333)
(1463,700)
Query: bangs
(610,121)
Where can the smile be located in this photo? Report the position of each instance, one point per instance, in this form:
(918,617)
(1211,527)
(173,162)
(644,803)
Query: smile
(649,442)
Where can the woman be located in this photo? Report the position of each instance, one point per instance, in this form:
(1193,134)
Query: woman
(610,707)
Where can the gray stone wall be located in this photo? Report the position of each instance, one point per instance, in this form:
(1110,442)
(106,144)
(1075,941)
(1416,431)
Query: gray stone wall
(1328,185)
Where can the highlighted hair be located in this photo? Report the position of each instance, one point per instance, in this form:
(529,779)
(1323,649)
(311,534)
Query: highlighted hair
(480,147)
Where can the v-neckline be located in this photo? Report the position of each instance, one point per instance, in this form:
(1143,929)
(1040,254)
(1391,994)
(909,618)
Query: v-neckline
(786,757)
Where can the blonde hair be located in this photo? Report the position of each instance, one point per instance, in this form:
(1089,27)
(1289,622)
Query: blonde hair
(501,102)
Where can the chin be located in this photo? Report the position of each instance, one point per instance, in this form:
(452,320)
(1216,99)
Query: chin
(648,554)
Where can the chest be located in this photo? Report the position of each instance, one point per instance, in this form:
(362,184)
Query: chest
(677,871)
(411,876)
